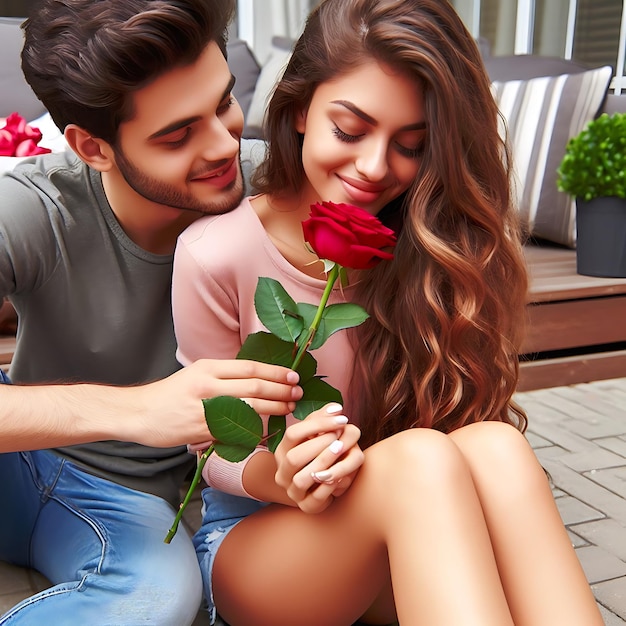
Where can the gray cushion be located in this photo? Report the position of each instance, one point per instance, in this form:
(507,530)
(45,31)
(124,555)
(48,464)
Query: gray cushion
(245,69)
(525,66)
(542,114)
(15,93)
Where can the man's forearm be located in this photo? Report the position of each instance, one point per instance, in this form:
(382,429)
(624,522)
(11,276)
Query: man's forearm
(35,417)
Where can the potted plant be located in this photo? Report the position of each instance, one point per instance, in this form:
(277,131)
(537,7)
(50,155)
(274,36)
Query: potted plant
(593,171)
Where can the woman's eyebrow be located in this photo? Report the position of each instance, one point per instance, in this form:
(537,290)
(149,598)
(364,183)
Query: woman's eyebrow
(369,119)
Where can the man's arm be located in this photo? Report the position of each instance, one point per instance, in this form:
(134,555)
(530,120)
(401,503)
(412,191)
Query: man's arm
(161,414)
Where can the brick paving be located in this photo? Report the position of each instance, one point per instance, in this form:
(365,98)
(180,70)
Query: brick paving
(579,435)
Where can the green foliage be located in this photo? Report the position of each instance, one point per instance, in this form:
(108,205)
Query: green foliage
(594,164)
(295,328)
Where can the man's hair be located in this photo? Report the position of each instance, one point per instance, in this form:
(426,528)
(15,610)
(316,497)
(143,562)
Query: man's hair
(85,58)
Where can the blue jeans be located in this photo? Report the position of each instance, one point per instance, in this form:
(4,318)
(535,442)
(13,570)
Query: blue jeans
(100,544)
(221,512)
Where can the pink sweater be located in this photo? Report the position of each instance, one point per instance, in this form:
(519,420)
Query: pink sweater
(217,264)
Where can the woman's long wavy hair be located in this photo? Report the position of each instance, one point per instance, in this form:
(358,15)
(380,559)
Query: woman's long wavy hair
(440,349)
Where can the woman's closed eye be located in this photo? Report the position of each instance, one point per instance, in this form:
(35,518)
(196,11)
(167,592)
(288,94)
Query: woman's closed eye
(410,152)
(345,137)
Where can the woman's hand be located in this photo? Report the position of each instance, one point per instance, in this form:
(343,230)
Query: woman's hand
(318,459)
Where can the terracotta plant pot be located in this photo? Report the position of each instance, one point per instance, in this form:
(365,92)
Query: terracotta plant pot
(601,237)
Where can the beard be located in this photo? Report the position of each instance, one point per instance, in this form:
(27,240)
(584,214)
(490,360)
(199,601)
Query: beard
(155,190)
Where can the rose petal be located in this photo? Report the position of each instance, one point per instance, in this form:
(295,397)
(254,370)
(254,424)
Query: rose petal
(29,148)
(7,143)
(347,235)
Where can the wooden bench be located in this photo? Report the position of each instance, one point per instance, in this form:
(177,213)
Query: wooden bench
(576,330)
(577,324)
(7,348)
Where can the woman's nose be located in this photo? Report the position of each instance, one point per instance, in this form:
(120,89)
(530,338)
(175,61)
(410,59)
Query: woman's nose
(372,161)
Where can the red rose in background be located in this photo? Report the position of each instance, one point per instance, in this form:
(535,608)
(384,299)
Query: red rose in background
(19,139)
(347,235)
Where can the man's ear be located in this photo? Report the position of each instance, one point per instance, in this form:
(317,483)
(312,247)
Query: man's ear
(95,152)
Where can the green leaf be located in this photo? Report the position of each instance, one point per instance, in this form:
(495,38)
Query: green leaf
(234,424)
(276,426)
(232,453)
(268,348)
(317,393)
(338,317)
(276,309)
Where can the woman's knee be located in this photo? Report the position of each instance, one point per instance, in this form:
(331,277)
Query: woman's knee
(418,454)
(502,452)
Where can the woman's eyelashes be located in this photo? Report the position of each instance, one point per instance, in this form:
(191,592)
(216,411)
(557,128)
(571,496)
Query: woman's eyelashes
(345,137)
(405,151)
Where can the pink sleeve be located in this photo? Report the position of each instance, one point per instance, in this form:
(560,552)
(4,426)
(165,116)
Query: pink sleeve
(206,324)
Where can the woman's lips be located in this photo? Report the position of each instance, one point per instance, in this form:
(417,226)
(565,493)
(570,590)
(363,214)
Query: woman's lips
(361,192)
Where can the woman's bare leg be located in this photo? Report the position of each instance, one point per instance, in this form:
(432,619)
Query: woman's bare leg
(542,577)
(412,513)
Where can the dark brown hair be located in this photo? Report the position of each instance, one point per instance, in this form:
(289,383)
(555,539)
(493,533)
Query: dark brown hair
(83,58)
(440,349)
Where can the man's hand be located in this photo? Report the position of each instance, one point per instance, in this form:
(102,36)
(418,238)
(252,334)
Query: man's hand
(169,412)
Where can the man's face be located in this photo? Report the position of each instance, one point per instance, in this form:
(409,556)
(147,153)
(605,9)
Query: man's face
(181,148)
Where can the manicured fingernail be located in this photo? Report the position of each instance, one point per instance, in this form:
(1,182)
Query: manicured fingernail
(322,477)
(334,408)
(293,377)
(340,419)
(292,406)
(336,446)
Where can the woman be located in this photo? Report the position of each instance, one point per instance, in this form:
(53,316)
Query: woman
(428,506)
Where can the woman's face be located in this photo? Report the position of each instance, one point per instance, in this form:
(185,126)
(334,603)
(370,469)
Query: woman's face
(364,133)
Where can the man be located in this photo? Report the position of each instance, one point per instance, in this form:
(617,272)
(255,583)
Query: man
(142,91)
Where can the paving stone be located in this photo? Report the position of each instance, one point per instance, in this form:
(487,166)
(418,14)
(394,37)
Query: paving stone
(594,458)
(600,565)
(536,441)
(606,533)
(577,540)
(613,479)
(573,511)
(610,619)
(562,437)
(586,490)
(612,594)
(615,444)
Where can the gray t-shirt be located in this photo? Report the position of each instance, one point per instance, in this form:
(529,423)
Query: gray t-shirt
(92,305)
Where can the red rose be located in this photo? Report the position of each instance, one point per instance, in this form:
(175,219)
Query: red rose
(347,235)
(17,138)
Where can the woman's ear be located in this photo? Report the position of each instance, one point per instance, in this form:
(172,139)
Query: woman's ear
(95,152)
(300,121)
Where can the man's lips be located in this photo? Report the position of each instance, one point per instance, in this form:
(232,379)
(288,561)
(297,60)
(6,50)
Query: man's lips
(219,177)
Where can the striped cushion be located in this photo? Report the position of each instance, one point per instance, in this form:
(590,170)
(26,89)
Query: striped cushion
(542,114)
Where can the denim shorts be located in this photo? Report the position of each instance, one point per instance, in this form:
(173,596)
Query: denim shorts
(220,513)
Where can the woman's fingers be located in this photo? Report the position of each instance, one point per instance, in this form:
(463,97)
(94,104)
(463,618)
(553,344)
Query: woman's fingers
(335,462)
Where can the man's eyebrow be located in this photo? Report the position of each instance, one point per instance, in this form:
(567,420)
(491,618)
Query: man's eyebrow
(369,119)
(178,124)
